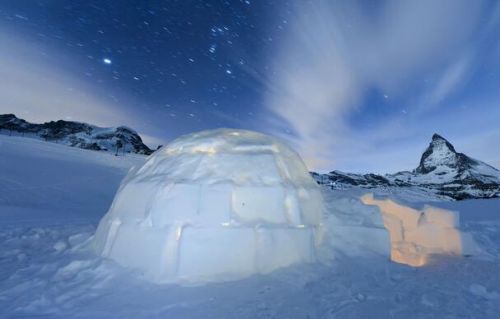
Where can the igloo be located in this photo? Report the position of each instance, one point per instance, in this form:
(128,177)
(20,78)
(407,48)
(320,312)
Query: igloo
(213,206)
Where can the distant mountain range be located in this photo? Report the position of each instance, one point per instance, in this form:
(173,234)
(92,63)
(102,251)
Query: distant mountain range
(118,139)
(442,170)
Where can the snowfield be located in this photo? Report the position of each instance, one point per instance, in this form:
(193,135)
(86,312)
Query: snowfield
(53,197)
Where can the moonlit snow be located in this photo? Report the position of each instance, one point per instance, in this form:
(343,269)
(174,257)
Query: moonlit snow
(213,206)
(53,197)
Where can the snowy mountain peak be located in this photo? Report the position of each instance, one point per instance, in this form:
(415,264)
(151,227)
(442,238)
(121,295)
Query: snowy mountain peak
(437,137)
(439,153)
(442,170)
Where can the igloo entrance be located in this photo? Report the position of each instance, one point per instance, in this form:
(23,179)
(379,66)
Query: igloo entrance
(417,234)
(215,205)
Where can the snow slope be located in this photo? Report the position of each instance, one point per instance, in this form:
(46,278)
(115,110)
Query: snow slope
(49,183)
(53,197)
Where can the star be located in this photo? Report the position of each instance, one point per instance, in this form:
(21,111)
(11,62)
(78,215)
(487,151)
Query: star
(107,61)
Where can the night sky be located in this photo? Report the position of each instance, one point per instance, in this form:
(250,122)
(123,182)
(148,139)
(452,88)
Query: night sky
(352,85)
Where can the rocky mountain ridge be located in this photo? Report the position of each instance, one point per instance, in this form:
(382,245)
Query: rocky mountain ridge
(82,135)
(442,170)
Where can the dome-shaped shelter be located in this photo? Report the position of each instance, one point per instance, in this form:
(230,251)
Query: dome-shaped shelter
(215,205)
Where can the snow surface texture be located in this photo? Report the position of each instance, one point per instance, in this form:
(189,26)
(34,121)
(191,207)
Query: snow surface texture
(212,206)
(32,186)
(416,234)
(53,197)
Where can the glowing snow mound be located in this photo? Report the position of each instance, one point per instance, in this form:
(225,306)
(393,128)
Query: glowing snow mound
(417,234)
(215,205)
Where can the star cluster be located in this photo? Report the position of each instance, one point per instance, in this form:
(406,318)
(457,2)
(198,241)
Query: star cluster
(190,64)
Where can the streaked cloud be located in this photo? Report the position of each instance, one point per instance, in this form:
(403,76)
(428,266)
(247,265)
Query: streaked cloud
(452,78)
(336,52)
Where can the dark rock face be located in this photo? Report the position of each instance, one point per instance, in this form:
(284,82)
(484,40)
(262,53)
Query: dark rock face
(338,179)
(442,170)
(77,134)
(11,123)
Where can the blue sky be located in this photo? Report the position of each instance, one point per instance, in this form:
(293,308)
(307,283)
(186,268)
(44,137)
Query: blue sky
(353,85)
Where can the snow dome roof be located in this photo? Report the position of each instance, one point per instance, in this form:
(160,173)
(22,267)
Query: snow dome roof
(227,155)
(216,204)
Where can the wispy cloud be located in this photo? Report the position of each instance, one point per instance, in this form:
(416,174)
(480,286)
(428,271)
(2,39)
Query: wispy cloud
(336,51)
(38,86)
(452,78)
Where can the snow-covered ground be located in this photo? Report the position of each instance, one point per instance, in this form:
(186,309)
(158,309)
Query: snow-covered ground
(52,198)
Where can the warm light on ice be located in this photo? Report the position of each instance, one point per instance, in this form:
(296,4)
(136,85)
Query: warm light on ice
(416,234)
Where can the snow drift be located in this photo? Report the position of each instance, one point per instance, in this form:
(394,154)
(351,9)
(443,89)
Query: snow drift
(211,206)
(416,234)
